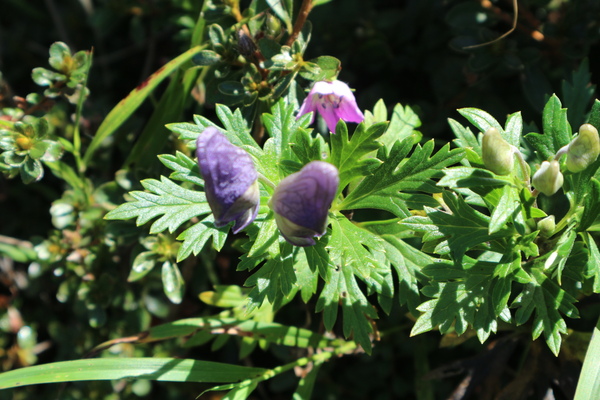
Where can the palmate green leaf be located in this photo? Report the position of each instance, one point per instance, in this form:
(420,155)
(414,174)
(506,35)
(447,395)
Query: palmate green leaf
(460,297)
(548,300)
(461,228)
(403,124)
(342,287)
(465,139)
(350,156)
(184,168)
(405,259)
(175,204)
(348,247)
(276,279)
(557,130)
(484,121)
(307,148)
(159,369)
(400,174)
(283,126)
(195,237)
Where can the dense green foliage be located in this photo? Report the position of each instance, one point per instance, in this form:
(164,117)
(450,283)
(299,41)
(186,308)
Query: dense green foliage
(460,246)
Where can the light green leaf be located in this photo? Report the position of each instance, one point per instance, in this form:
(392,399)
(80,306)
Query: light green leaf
(483,121)
(176,205)
(184,168)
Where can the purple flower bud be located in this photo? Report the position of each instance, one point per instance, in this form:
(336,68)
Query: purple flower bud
(230,179)
(301,202)
(334,101)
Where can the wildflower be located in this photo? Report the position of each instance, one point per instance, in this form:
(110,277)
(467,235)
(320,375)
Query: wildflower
(497,154)
(301,202)
(584,149)
(334,101)
(230,180)
(548,179)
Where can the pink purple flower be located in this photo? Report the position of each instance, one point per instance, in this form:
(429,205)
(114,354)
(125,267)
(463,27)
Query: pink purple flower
(302,200)
(334,101)
(230,180)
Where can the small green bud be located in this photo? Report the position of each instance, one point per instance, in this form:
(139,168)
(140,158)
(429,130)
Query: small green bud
(272,26)
(584,149)
(548,179)
(497,154)
(547,226)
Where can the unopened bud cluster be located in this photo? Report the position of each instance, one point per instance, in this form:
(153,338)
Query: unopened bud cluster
(499,156)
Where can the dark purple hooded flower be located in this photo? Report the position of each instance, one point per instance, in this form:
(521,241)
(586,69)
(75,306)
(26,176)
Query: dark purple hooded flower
(334,101)
(301,202)
(230,179)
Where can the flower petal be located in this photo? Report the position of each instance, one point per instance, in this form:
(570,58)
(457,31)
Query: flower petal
(229,179)
(302,202)
(329,114)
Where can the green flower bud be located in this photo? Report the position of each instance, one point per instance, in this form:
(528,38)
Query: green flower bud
(498,155)
(547,226)
(548,179)
(584,149)
(272,25)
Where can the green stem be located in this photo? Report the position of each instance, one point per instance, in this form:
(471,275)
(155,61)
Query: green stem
(342,349)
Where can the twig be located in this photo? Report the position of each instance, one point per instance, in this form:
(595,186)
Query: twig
(300,21)
(511,30)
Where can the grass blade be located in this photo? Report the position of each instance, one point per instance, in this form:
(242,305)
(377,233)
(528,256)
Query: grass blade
(134,99)
(159,369)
